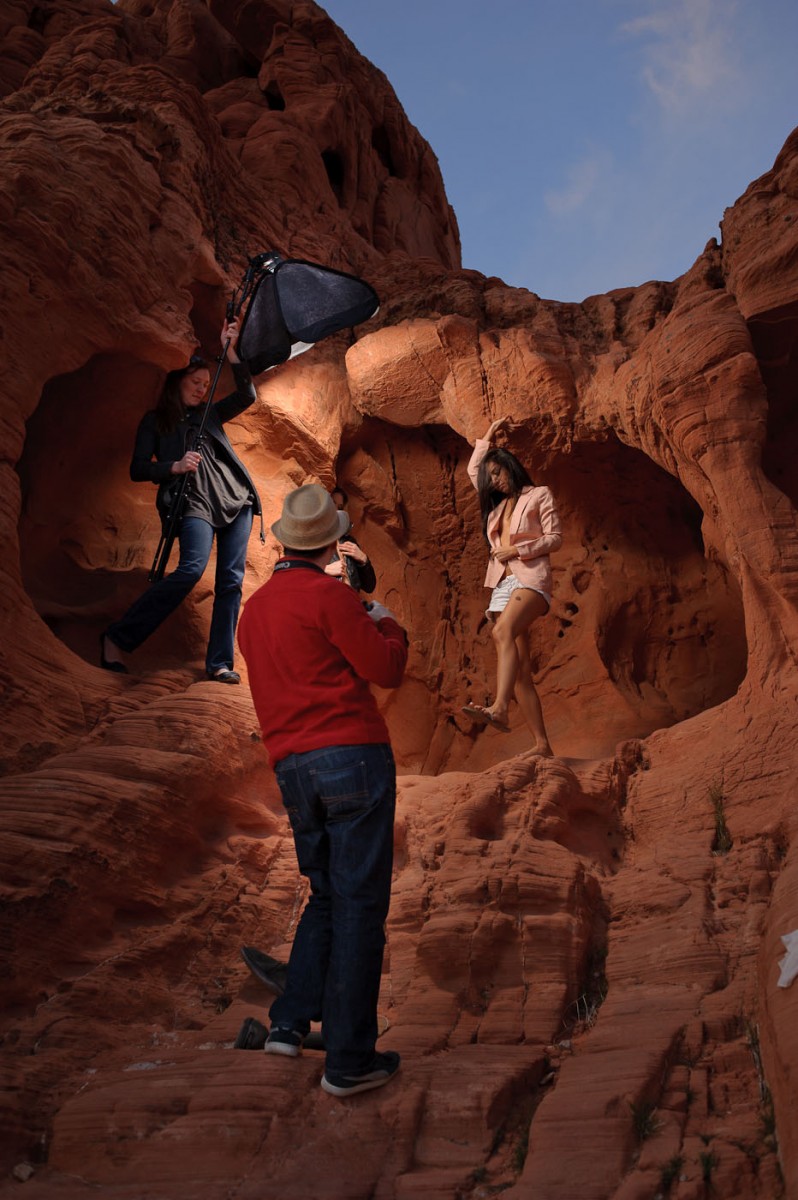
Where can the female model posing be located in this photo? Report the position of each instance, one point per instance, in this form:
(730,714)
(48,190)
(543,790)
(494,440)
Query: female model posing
(522,528)
(221,504)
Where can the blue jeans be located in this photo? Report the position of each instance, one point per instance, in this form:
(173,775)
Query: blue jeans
(159,601)
(340,802)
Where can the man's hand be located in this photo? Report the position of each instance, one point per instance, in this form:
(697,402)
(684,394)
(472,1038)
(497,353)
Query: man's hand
(378,611)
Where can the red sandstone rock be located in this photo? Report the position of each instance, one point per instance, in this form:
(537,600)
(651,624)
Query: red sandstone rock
(569,945)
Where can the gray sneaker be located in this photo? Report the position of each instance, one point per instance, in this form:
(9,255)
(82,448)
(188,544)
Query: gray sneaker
(284,1041)
(382,1071)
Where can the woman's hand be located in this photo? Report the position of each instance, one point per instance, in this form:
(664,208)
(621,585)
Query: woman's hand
(230,334)
(335,568)
(353,551)
(188,464)
(503,554)
(500,423)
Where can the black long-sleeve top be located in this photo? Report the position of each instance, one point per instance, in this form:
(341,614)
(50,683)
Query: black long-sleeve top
(154,452)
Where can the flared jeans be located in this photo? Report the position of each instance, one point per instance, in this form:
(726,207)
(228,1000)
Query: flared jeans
(159,601)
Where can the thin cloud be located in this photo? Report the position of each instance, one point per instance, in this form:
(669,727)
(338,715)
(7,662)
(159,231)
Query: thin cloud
(584,178)
(690,59)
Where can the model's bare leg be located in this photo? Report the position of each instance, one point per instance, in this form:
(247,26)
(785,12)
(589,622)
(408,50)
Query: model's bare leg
(528,700)
(523,608)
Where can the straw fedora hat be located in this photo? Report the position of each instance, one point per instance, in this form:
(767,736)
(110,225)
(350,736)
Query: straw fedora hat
(309,520)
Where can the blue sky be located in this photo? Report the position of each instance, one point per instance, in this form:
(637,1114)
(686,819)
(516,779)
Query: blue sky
(588,144)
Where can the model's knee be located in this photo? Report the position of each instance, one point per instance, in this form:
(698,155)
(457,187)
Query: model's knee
(186,577)
(230,586)
(501,637)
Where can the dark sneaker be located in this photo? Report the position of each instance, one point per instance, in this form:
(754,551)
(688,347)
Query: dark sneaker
(284,1041)
(383,1069)
(224,676)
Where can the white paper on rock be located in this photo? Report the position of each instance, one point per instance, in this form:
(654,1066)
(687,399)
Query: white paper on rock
(789,964)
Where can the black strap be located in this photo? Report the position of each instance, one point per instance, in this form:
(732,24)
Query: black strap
(288,564)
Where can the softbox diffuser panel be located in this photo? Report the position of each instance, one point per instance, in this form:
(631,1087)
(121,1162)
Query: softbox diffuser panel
(264,340)
(295,304)
(318,301)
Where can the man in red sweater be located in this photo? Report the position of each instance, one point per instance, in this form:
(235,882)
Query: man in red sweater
(312,649)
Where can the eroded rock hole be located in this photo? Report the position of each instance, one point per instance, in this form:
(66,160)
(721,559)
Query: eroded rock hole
(274,97)
(334,166)
(87,534)
(381,144)
(775,340)
(667,620)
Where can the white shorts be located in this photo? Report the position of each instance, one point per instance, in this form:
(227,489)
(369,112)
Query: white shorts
(501,594)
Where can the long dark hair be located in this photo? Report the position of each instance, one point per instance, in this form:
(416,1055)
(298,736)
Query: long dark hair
(489,497)
(169,410)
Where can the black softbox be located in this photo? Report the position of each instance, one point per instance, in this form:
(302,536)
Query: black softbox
(295,304)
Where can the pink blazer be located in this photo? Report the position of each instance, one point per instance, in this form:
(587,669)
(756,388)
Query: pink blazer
(534,529)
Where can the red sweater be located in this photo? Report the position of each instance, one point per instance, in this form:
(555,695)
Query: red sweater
(311,651)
